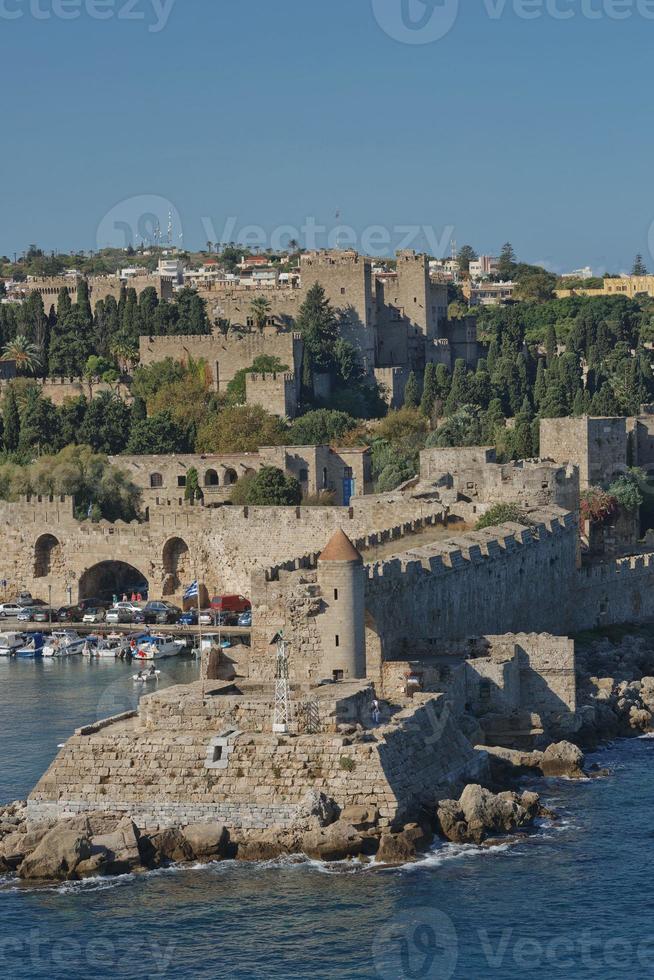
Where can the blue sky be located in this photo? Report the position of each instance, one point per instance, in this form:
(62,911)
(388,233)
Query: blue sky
(260,113)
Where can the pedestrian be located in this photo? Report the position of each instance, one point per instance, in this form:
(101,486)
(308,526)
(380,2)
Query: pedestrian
(374,710)
(124,597)
(133,596)
(139,597)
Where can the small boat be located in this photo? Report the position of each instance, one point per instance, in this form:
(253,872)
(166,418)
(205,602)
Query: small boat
(33,647)
(143,678)
(63,643)
(10,642)
(105,647)
(156,647)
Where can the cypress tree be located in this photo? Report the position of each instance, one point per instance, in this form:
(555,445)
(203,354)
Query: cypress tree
(412,392)
(459,392)
(83,300)
(429,391)
(11,421)
(63,303)
(551,344)
(523,447)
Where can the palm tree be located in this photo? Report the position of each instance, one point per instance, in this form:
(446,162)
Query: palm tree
(260,308)
(26,355)
(126,354)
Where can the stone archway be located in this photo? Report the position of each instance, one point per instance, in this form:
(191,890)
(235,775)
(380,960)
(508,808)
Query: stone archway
(176,566)
(47,556)
(112,578)
(211,479)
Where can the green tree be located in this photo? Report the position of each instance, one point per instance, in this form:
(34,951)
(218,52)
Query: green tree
(192,489)
(26,354)
(459,392)
(239,429)
(412,392)
(39,423)
(551,344)
(260,309)
(11,421)
(106,424)
(639,267)
(271,487)
(429,391)
(70,344)
(317,323)
(507,262)
(83,300)
(466,255)
(64,304)
(319,428)
(192,313)
(157,436)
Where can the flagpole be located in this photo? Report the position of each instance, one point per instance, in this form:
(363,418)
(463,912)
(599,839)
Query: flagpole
(197,581)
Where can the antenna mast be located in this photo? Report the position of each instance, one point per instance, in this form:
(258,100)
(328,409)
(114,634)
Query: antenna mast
(282,715)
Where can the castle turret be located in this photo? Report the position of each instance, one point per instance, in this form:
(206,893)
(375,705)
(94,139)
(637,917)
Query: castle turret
(341,578)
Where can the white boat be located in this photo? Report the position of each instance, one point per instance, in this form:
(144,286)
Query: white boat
(105,647)
(144,677)
(156,647)
(33,646)
(63,643)
(10,642)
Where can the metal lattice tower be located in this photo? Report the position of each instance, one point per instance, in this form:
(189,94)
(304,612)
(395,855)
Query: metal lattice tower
(282,715)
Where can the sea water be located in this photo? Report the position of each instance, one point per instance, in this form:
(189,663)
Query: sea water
(572,899)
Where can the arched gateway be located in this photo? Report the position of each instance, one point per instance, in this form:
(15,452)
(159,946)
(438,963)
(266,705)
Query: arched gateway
(109,578)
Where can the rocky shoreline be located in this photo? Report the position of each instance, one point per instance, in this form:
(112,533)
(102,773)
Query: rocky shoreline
(617,694)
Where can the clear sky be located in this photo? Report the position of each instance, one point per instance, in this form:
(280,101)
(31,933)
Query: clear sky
(514,124)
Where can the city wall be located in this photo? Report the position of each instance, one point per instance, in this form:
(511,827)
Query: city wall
(226,355)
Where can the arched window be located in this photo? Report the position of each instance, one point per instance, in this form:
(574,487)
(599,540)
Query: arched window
(211,479)
(156,480)
(231,477)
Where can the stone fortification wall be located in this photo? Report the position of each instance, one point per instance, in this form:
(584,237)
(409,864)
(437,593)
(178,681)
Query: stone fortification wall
(481,582)
(225,355)
(234,303)
(43,544)
(59,389)
(160,776)
(475,475)
(598,446)
(276,392)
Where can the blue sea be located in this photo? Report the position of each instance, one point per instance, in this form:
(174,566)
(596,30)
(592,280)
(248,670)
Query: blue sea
(570,900)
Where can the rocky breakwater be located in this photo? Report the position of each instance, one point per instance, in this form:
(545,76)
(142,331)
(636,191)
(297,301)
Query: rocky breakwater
(616,685)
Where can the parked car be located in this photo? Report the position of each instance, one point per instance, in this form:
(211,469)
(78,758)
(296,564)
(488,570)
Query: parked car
(31,603)
(44,614)
(188,618)
(26,615)
(8,609)
(235,604)
(161,612)
(69,614)
(213,617)
(245,619)
(125,612)
(94,615)
(93,603)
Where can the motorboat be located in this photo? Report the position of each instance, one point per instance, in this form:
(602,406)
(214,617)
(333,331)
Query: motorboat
(144,676)
(63,643)
(158,646)
(33,647)
(10,642)
(105,647)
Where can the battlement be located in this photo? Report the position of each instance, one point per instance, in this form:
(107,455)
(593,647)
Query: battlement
(272,376)
(472,548)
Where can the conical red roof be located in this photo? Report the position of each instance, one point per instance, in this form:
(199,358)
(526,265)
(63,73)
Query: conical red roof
(340,548)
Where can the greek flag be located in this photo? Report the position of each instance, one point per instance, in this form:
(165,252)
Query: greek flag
(192,591)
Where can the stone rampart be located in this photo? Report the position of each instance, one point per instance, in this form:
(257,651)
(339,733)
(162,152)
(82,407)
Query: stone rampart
(160,777)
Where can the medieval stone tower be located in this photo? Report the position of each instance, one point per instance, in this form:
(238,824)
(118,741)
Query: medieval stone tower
(341,578)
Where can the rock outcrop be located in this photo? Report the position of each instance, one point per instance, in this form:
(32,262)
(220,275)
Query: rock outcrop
(479,814)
